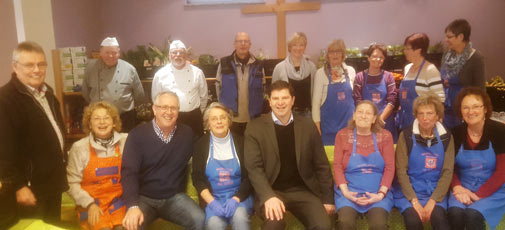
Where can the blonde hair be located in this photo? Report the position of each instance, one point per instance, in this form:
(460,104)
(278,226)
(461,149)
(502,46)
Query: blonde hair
(111,110)
(428,99)
(378,123)
(297,37)
(216,105)
(337,45)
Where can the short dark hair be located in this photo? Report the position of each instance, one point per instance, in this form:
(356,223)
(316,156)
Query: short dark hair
(374,47)
(473,91)
(280,85)
(418,41)
(460,26)
(27,46)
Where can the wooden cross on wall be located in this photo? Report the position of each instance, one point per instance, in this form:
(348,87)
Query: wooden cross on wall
(280,8)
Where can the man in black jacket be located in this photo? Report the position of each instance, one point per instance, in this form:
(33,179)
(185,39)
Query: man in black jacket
(31,140)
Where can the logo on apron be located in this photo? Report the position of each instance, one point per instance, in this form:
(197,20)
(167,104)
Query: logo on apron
(224,176)
(341,96)
(376,97)
(404,94)
(430,162)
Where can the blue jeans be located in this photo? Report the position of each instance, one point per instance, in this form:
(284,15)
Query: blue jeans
(179,209)
(239,220)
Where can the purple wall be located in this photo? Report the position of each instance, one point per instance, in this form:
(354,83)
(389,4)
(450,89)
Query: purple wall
(77,23)
(210,29)
(9,39)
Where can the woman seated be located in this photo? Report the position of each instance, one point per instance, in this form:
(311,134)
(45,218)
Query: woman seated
(332,102)
(478,185)
(424,165)
(364,169)
(219,173)
(94,167)
(421,77)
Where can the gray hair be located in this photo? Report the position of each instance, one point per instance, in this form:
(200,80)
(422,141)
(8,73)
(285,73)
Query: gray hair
(429,99)
(216,105)
(27,46)
(156,98)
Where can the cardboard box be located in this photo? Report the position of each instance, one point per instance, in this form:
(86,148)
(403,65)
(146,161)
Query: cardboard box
(66,63)
(78,51)
(68,85)
(79,62)
(67,75)
(65,53)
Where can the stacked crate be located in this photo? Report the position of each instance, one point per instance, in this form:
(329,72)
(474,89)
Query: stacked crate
(73,63)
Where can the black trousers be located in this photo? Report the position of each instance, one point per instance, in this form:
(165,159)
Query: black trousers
(377,218)
(468,218)
(304,205)
(48,209)
(194,120)
(438,219)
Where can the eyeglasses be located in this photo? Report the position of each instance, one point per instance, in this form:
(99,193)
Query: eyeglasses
(242,41)
(31,66)
(377,58)
(408,48)
(471,108)
(167,108)
(99,119)
(220,118)
(177,52)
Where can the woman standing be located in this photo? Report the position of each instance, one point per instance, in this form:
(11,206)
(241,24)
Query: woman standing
(219,173)
(424,166)
(378,86)
(478,184)
(94,166)
(462,66)
(421,77)
(299,71)
(364,169)
(332,101)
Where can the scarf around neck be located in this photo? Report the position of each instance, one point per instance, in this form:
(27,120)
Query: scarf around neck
(304,68)
(453,62)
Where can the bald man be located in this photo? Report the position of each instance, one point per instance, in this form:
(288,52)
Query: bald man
(240,78)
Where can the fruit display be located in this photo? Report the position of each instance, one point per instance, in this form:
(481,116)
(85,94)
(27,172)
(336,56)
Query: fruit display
(496,82)
(398,76)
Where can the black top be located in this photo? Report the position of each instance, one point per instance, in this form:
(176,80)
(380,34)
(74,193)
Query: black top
(302,93)
(200,157)
(289,176)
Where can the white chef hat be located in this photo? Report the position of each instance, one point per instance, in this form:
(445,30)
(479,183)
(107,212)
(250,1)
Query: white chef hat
(177,44)
(110,41)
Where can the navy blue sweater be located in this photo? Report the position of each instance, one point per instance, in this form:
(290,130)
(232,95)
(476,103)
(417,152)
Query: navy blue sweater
(152,168)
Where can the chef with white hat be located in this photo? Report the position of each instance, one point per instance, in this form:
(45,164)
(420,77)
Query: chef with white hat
(114,80)
(188,82)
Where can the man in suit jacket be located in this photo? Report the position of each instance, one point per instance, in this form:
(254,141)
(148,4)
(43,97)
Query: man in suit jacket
(287,165)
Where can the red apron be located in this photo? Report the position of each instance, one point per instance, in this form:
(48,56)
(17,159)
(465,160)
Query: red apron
(101,179)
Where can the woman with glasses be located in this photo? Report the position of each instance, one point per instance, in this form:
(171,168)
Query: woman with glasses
(93,170)
(421,77)
(219,174)
(378,86)
(462,66)
(478,185)
(332,102)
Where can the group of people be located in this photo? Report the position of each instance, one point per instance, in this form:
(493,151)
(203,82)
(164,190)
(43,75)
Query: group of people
(122,176)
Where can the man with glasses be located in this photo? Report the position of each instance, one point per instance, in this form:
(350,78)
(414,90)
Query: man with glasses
(115,81)
(154,161)
(188,82)
(240,78)
(32,161)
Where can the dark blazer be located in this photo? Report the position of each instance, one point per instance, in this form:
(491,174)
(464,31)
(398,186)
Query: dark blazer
(200,156)
(262,158)
(28,141)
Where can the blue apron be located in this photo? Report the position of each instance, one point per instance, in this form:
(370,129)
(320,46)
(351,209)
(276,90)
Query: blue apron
(225,178)
(336,110)
(377,94)
(450,118)
(425,165)
(407,96)
(475,168)
(364,174)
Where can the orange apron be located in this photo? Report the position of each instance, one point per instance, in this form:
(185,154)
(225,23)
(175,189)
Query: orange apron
(101,179)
